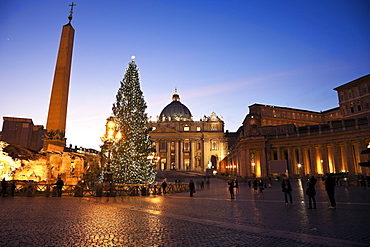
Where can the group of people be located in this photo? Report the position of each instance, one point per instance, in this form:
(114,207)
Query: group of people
(311,191)
(4,187)
(259,185)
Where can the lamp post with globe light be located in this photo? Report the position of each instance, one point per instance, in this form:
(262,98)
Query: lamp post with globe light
(111,136)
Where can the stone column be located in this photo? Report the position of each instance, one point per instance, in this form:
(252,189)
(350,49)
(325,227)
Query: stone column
(324,158)
(248,162)
(177,163)
(290,162)
(192,154)
(263,162)
(301,161)
(349,161)
(181,152)
(313,165)
(168,155)
(336,157)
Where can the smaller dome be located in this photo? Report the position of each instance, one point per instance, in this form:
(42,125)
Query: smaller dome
(175,111)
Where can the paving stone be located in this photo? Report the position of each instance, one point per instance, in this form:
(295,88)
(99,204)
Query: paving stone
(209,218)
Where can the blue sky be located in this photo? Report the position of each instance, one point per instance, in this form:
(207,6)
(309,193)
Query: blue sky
(221,55)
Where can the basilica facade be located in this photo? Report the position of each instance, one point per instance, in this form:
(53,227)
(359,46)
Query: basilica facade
(184,144)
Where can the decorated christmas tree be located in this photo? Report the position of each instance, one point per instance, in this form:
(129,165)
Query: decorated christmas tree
(130,162)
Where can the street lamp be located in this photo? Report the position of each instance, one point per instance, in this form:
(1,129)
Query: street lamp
(112,135)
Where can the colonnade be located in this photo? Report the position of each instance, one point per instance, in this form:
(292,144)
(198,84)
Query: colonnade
(253,158)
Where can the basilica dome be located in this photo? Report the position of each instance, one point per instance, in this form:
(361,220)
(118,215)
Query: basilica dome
(175,111)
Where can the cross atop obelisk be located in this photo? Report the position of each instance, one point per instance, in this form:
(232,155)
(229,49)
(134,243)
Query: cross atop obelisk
(71,12)
(54,139)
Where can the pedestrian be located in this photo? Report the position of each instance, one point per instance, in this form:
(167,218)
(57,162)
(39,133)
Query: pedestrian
(270,183)
(231,188)
(164,186)
(192,188)
(260,184)
(249,184)
(202,185)
(255,186)
(59,184)
(329,187)
(311,192)
(287,189)
(4,186)
(236,183)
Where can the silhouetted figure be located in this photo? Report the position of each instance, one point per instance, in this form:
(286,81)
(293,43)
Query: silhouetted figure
(4,186)
(236,184)
(311,192)
(202,185)
(329,186)
(287,189)
(59,184)
(191,187)
(255,186)
(164,186)
(231,188)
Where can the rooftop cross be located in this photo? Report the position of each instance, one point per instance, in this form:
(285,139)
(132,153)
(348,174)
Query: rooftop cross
(71,12)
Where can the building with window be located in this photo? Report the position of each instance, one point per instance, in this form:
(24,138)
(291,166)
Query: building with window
(184,144)
(276,140)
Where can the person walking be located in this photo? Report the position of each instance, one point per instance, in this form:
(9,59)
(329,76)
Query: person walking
(164,186)
(329,187)
(236,184)
(287,189)
(311,192)
(191,187)
(231,188)
(4,186)
(59,184)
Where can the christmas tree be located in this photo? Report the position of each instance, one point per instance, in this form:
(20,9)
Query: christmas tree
(130,162)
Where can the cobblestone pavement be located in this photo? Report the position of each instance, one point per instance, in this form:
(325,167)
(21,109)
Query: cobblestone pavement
(209,218)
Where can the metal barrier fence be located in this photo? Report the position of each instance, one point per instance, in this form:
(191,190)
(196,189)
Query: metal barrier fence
(104,189)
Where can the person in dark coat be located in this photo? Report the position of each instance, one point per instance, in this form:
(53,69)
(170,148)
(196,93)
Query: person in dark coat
(191,187)
(311,192)
(4,186)
(287,189)
(164,186)
(59,184)
(231,188)
(329,187)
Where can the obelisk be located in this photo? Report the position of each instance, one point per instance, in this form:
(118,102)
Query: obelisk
(54,139)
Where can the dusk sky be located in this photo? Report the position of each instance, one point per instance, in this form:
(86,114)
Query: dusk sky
(221,55)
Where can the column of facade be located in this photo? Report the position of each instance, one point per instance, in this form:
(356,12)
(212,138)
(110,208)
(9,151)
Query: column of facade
(290,161)
(324,158)
(360,147)
(181,157)
(158,154)
(300,161)
(192,154)
(337,160)
(243,163)
(347,148)
(168,157)
(263,162)
(248,162)
(278,152)
(313,167)
(177,158)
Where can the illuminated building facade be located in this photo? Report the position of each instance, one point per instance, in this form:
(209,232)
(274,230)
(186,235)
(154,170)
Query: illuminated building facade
(275,140)
(184,144)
